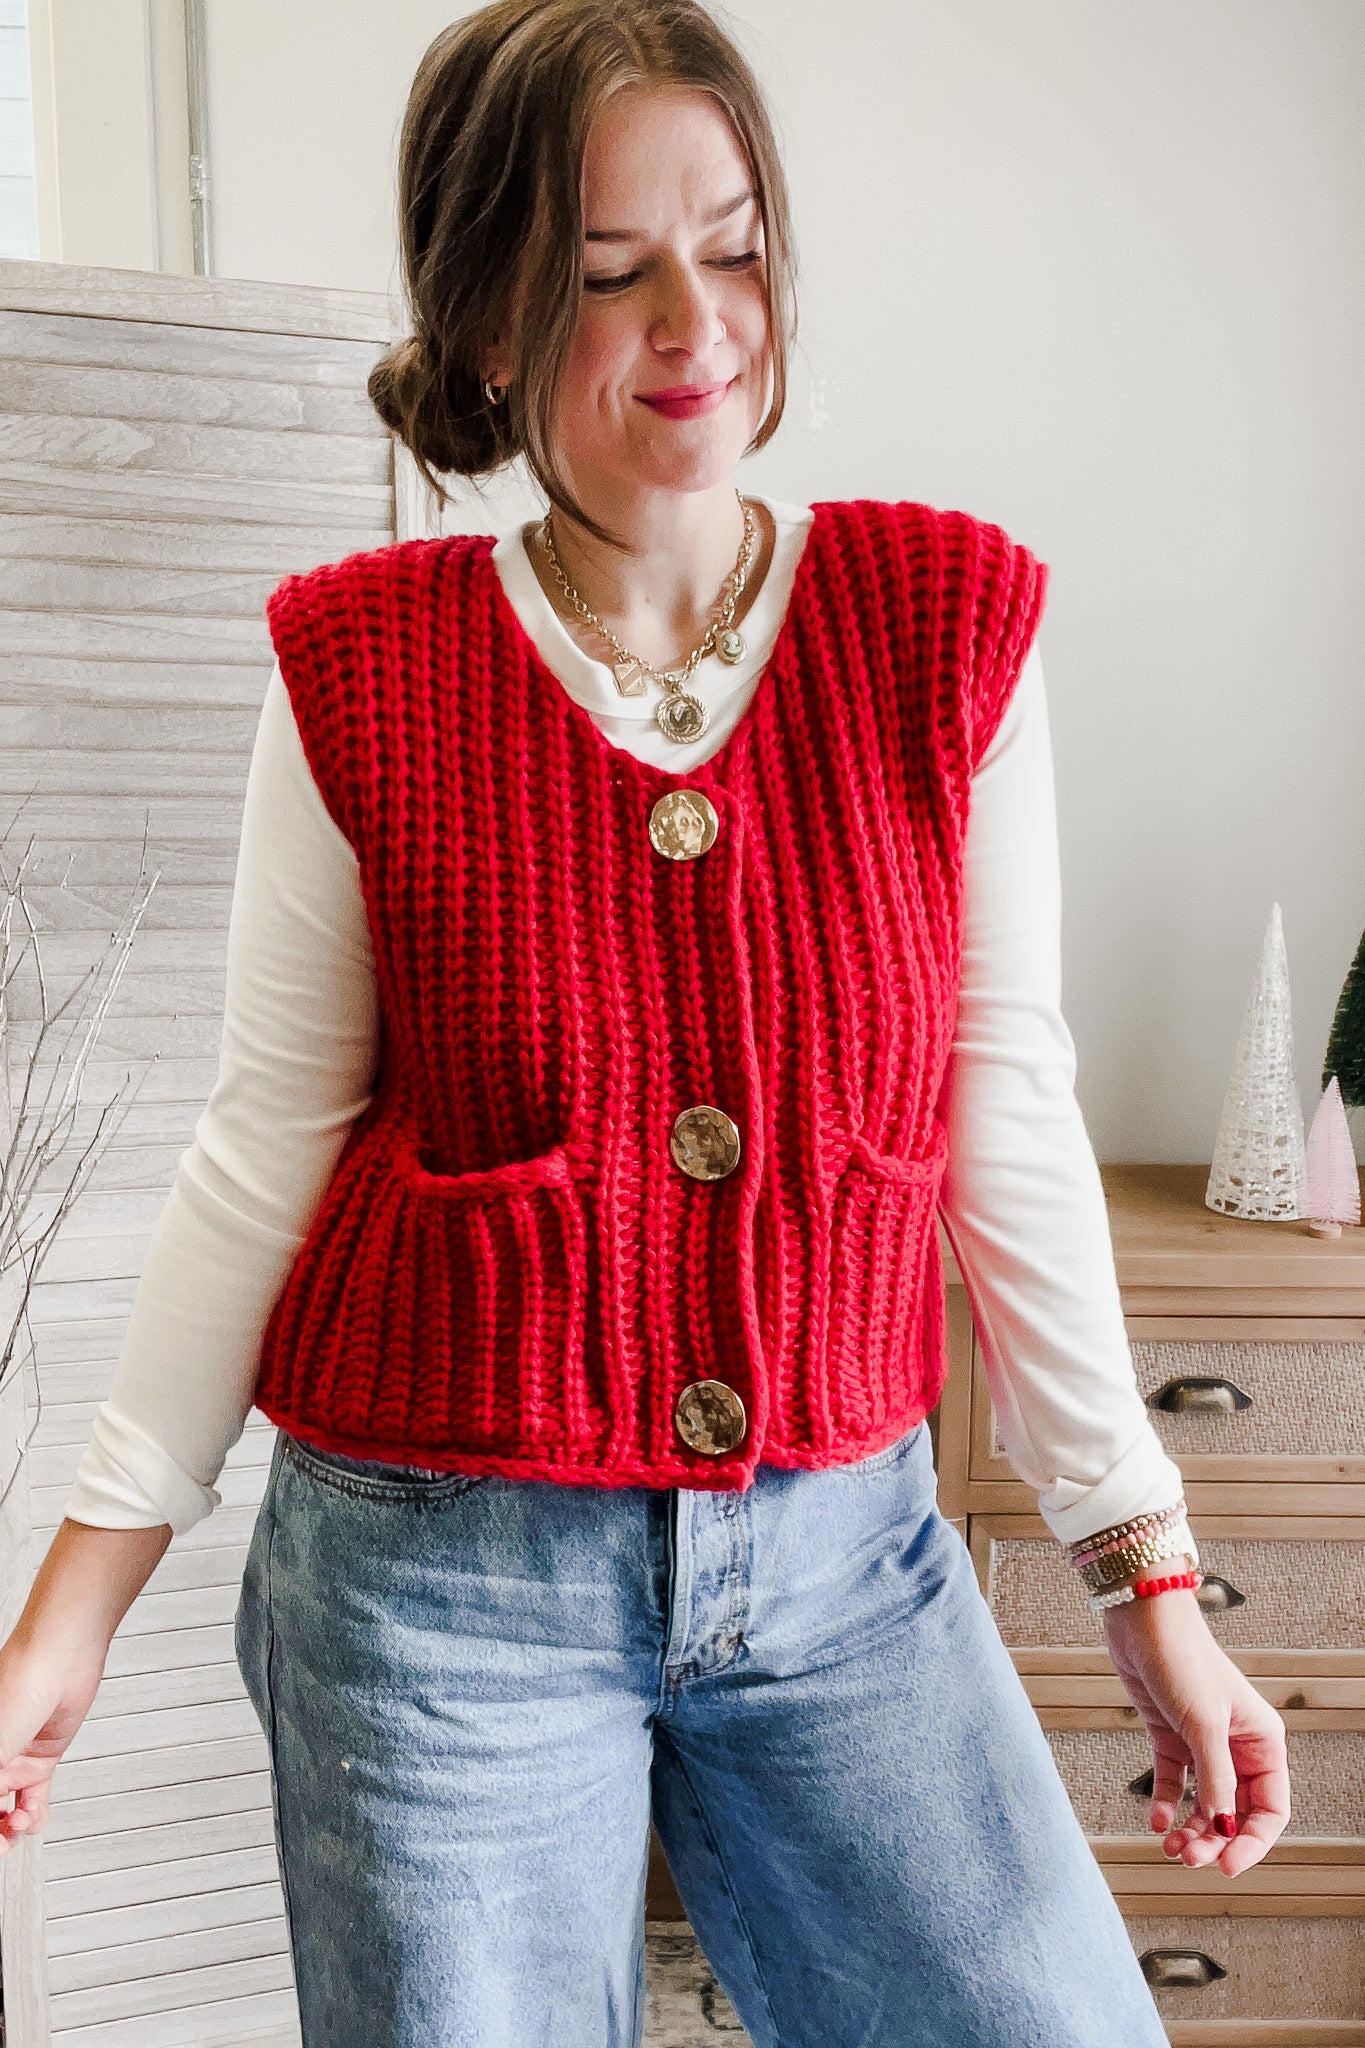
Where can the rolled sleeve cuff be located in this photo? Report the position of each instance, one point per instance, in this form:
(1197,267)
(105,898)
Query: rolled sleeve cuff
(125,1480)
(1145,1477)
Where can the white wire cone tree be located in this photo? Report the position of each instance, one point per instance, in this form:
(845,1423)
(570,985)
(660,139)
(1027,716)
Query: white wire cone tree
(1258,1167)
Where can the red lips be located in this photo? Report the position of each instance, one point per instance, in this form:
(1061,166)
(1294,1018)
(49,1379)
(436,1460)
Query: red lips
(686,401)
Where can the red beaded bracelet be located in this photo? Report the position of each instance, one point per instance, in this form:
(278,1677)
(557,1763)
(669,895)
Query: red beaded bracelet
(1147,1586)
(1145,1589)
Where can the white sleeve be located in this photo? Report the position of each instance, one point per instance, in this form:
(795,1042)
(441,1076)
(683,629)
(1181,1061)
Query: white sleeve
(296,1068)
(1022,1202)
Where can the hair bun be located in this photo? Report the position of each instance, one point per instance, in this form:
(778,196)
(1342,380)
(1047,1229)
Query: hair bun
(437,412)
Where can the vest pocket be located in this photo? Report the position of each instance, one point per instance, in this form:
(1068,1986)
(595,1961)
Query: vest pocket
(556,1168)
(884,1321)
(494,1285)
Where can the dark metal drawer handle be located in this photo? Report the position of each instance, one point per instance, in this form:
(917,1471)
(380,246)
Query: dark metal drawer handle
(1165,1967)
(1194,1395)
(1217,1595)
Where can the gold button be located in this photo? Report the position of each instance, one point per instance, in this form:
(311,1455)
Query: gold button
(710,1417)
(683,823)
(705,1143)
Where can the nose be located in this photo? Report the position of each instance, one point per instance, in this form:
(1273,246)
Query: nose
(687,315)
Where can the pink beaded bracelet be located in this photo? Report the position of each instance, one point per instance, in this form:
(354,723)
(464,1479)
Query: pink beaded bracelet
(1105,1541)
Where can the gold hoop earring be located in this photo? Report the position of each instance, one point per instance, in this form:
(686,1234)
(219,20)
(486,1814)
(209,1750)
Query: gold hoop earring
(494,393)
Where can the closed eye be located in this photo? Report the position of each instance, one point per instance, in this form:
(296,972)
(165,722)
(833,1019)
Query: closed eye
(628,277)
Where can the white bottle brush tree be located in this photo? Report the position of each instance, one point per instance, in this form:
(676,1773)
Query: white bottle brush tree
(1259,1167)
(51,1137)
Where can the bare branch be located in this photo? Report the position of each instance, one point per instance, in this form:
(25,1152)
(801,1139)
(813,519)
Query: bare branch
(40,1111)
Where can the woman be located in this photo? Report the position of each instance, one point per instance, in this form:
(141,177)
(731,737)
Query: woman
(605,920)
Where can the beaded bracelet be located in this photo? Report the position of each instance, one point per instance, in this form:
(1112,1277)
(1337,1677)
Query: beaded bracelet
(1135,1522)
(1086,1548)
(1146,1589)
(1174,1539)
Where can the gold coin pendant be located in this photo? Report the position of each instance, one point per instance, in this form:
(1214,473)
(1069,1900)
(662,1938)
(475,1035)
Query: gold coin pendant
(682,717)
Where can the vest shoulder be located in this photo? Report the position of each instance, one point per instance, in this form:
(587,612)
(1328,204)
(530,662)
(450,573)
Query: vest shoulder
(306,599)
(943,530)
(966,568)
(977,591)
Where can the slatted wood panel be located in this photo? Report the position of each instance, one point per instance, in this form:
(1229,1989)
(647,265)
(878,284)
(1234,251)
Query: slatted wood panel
(169,448)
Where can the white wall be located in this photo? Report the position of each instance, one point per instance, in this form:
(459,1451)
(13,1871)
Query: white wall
(1094,269)
(18,214)
(110,144)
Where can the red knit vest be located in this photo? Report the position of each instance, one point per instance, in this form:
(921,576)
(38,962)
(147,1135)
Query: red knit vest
(508,1272)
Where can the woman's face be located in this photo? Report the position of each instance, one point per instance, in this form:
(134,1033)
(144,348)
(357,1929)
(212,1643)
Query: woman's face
(674,296)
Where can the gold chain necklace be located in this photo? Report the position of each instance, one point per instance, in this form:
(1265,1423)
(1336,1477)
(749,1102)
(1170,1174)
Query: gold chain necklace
(678,714)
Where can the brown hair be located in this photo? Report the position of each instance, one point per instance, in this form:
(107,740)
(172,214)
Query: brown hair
(490,176)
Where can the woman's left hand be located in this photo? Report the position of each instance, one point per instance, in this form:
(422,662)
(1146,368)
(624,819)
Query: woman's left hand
(1201,1711)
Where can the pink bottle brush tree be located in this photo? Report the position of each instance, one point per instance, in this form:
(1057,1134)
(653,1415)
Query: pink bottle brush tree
(1333,1185)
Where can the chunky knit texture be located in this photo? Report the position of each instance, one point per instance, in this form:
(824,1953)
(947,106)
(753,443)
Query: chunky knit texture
(508,1273)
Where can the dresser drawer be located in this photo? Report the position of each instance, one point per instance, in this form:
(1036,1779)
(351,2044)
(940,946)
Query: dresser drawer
(1280,1594)
(1255,1972)
(1233,1399)
(1104,1756)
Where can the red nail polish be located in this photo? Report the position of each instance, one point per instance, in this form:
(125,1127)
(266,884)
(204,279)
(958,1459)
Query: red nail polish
(1225,1823)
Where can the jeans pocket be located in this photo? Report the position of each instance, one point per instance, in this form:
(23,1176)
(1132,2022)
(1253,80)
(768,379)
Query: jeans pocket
(888,1455)
(377,1478)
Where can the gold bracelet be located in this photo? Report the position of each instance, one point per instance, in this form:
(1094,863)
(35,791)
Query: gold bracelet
(1128,1557)
(1173,1541)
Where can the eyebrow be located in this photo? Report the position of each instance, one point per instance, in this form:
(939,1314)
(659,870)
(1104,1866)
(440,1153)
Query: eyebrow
(635,234)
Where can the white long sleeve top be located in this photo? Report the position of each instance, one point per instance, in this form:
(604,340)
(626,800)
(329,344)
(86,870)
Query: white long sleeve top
(1021,1203)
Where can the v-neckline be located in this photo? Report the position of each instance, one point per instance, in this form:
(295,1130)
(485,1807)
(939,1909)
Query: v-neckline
(545,678)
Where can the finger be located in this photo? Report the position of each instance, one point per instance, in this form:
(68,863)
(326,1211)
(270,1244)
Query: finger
(1178,1837)
(1196,1841)
(1263,1794)
(31,1807)
(1168,1785)
(27,1817)
(25,1770)
(1212,1834)
(1170,1766)
(17,1826)
(1262,1802)
(1215,1772)
(1170,1759)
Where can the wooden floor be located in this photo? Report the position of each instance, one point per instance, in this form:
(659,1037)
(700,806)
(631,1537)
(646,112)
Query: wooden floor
(686,2007)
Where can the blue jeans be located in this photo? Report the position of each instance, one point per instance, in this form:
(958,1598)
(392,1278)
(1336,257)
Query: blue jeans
(476,1691)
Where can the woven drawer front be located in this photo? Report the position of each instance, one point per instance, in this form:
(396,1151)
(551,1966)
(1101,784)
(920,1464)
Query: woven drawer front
(1298,1967)
(1297,1593)
(1098,1765)
(1305,1396)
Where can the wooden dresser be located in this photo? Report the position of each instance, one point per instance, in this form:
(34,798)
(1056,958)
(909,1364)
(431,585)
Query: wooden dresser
(1249,1341)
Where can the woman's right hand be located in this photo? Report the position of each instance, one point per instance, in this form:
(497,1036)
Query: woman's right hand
(44,1697)
(52,1663)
